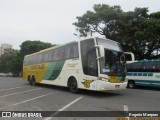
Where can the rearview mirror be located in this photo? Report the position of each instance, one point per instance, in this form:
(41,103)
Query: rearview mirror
(129,56)
(101,50)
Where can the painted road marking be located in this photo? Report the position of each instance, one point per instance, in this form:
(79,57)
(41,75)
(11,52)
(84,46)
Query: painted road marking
(13,88)
(26,101)
(19,92)
(63,108)
(125,107)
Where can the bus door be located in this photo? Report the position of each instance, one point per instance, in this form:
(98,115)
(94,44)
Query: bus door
(92,75)
(89,64)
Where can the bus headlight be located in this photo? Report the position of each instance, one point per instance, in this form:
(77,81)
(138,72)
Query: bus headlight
(104,79)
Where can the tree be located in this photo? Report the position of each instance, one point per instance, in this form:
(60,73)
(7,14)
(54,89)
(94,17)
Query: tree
(6,60)
(101,20)
(29,47)
(12,60)
(136,31)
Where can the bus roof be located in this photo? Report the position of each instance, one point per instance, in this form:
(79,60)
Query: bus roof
(58,46)
(151,60)
(51,48)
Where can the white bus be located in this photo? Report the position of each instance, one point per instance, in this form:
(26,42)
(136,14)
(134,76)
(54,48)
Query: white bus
(92,63)
(144,73)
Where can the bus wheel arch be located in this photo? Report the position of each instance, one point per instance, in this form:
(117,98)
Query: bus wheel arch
(131,84)
(72,84)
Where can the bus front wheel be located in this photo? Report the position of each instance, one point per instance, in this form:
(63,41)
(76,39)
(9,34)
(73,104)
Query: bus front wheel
(131,84)
(73,87)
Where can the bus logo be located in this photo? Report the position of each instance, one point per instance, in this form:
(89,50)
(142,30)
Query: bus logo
(87,83)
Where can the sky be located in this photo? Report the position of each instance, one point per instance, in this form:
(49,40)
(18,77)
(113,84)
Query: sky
(51,20)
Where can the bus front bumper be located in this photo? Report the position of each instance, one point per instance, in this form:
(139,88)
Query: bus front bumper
(104,86)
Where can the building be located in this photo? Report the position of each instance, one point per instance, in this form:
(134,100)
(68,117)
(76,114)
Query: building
(3,47)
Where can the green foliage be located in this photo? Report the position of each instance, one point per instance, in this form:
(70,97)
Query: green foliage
(137,31)
(29,47)
(12,60)
(6,60)
(101,20)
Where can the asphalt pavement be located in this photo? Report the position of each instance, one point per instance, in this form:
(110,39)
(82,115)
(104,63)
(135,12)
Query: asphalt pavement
(17,95)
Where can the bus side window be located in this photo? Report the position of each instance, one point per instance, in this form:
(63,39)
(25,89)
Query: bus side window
(29,60)
(55,56)
(46,56)
(137,67)
(74,51)
(148,67)
(25,61)
(53,52)
(61,53)
(158,66)
(36,58)
(154,67)
(33,59)
(71,51)
(50,56)
(58,54)
(129,67)
(39,58)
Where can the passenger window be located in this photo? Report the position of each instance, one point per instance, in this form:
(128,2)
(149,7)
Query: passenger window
(71,51)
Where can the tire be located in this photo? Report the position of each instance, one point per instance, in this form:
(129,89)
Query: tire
(73,87)
(33,81)
(29,80)
(131,84)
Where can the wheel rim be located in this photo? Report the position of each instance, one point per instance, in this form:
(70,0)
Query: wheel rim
(131,84)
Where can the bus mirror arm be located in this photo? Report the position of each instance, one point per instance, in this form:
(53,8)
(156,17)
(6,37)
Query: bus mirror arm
(131,54)
(101,51)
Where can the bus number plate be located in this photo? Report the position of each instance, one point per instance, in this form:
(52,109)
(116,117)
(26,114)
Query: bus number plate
(117,86)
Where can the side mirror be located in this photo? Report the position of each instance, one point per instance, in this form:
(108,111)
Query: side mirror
(129,56)
(101,50)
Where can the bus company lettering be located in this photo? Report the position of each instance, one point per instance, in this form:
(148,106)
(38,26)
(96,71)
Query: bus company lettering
(41,66)
(72,64)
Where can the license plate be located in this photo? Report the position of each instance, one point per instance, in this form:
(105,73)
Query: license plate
(117,86)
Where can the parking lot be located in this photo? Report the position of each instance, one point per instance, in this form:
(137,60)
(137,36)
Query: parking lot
(17,95)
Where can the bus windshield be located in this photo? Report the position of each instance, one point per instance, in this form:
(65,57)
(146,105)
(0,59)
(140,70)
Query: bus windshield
(113,64)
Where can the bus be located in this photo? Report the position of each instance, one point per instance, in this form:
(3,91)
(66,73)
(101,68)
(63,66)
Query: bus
(90,63)
(144,73)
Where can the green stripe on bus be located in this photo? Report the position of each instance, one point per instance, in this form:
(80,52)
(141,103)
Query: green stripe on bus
(54,69)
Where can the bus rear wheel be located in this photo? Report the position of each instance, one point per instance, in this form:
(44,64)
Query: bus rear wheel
(73,85)
(33,81)
(29,80)
(131,84)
